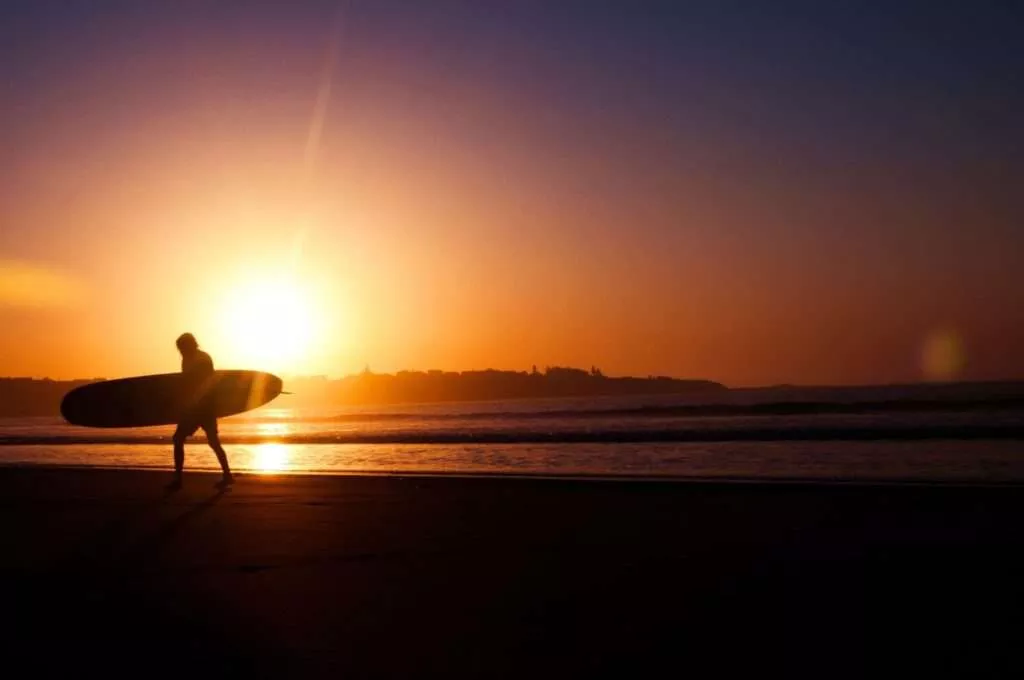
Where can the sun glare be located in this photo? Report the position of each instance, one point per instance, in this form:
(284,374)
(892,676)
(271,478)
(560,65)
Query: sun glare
(270,458)
(268,325)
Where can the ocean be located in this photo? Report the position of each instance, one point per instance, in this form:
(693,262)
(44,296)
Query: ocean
(963,433)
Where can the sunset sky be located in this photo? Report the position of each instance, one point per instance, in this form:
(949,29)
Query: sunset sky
(751,192)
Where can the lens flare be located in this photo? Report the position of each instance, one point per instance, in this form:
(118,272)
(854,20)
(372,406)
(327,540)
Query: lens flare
(942,356)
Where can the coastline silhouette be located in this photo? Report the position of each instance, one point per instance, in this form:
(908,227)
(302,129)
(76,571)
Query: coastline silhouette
(27,397)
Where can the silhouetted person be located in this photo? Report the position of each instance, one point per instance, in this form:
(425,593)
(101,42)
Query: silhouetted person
(197,366)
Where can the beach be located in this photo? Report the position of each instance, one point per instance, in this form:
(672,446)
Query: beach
(388,576)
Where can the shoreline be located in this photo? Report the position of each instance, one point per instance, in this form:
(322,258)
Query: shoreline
(709,480)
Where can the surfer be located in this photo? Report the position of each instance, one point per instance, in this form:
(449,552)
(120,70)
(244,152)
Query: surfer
(197,366)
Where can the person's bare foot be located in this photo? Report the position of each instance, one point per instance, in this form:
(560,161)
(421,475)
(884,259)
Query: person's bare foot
(226,481)
(174,485)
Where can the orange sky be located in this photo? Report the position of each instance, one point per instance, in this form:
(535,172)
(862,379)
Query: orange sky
(460,214)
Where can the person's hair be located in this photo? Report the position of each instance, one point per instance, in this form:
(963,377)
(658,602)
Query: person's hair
(186,341)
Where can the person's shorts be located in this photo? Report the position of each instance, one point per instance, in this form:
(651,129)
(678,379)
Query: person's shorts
(188,428)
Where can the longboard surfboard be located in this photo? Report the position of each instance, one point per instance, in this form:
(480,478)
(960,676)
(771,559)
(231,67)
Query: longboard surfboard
(164,399)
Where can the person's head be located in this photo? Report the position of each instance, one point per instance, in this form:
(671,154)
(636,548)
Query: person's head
(187,344)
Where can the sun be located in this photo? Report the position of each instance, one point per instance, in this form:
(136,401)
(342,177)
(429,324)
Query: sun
(267,325)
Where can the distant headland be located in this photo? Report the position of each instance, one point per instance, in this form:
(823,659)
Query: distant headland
(41,397)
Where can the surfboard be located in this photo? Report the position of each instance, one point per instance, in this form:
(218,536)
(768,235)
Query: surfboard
(163,399)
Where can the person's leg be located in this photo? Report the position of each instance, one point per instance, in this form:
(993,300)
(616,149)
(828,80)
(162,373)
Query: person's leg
(213,439)
(180,435)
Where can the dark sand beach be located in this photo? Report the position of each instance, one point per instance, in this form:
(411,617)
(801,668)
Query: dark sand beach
(490,577)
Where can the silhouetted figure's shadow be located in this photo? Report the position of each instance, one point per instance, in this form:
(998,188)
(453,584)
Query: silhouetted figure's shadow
(150,545)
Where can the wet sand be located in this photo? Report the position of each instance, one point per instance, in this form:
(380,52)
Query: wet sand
(491,577)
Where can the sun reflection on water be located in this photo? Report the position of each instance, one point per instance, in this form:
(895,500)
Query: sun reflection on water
(271,456)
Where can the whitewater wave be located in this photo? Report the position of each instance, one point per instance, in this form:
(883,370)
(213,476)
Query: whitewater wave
(611,436)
